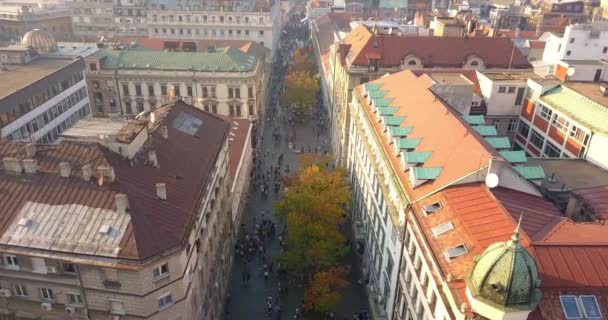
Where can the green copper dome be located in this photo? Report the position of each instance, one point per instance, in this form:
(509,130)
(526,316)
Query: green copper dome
(505,276)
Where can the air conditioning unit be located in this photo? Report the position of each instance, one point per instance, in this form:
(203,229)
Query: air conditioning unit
(70,309)
(46,306)
(51,269)
(5,293)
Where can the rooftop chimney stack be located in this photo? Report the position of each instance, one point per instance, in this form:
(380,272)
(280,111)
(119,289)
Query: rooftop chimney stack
(152,158)
(30,150)
(30,165)
(87,172)
(12,165)
(161,191)
(121,202)
(164,132)
(107,172)
(65,169)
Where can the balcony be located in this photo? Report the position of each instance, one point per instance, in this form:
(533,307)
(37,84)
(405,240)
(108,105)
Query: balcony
(112,284)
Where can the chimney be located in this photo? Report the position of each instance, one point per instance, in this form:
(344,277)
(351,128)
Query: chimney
(65,170)
(164,132)
(121,202)
(161,191)
(87,172)
(30,165)
(152,158)
(573,209)
(107,172)
(30,150)
(12,165)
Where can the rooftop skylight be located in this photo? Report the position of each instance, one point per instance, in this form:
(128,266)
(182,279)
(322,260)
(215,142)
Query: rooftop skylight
(455,252)
(187,123)
(442,228)
(432,208)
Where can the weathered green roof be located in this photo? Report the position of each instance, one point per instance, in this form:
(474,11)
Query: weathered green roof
(400,131)
(393,120)
(499,142)
(408,143)
(376,94)
(387,111)
(372,86)
(486,131)
(474,120)
(383,102)
(531,172)
(423,173)
(580,108)
(416,157)
(514,156)
(223,59)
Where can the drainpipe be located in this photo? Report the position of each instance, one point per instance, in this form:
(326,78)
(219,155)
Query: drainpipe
(84,295)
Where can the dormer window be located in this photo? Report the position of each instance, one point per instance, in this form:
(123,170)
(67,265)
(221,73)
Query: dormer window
(455,252)
(411,63)
(375,43)
(474,63)
(432,208)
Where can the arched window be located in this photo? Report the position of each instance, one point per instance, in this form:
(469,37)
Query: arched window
(474,63)
(412,63)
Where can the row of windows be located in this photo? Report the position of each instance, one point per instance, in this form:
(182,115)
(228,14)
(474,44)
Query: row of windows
(235,6)
(562,123)
(25,131)
(203,19)
(207,91)
(206,32)
(47,294)
(38,99)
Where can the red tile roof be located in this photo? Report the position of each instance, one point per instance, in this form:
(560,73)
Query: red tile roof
(185,163)
(435,52)
(595,199)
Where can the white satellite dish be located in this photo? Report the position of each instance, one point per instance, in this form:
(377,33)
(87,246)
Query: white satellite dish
(570,72)
(492,180)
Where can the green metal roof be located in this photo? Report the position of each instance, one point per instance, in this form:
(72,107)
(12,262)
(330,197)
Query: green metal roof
(408,143)
(416,157)
(486,130)
(372,86)
(387,111)
(514,156)
(400,131)
(580,108)
(383,102)
(423,173)
(531,172)
(376,94)
(223,59)
(474,120)
(499,142)
(393,120)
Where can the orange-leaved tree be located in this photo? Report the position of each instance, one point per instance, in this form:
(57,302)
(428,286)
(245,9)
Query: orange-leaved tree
(301,89)
(322,295)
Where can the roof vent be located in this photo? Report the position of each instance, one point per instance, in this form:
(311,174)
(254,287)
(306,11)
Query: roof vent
(12,165)
(105,229)
(161,191)
(65,170)
(432,208)
(87,172)
(25,222)
(30,165)
(152,158)
(121,202)
(164,132)
(105,172)
(30,150)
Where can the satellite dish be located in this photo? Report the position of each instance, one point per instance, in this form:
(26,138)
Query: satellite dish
(570,72)
(492,180)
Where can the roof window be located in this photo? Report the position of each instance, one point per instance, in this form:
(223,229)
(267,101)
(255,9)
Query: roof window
(442,228)
(455,252)
(25,222)
(432,208)
(577,307)
(105,229)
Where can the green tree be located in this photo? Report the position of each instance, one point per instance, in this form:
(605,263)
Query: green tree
(301,90)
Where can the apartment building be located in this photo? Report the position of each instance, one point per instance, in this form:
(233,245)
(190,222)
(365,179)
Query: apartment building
(125,220)
(565,121)
(450,220)
(19,17)
(225,81)
(367,53)
(581,54)
(92,19)
(44,92)
(130,17)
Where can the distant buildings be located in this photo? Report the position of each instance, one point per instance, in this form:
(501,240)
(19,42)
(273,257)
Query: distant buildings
(43,91)
(123,219)
(19,17)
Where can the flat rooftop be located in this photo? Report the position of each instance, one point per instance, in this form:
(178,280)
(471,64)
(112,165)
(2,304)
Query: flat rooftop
(591,91)
(450,78)
(570,174)
(17,77)
(104,128)
(504,76)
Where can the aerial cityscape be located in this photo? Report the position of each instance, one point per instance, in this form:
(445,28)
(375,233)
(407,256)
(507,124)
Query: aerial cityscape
(303,159)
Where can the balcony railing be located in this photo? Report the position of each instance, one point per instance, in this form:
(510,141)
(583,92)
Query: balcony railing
(112,284)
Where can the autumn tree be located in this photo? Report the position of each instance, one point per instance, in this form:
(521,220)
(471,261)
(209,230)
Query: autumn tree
(302,61)
(300,93)
(322,295)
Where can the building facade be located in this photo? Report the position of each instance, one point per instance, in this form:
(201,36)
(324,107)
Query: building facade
(45,95)
(92,19)
(224,81)
(155,248)
(17,18)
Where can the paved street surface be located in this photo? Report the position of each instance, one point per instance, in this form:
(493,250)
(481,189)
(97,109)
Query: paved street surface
(248,299)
